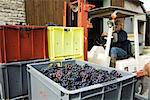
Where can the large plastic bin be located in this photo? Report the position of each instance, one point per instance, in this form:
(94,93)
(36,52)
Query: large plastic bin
(43,88)
(23,43)
(65,43)
(13,79)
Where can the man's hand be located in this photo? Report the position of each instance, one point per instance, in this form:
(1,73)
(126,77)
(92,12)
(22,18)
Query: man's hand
(115,37)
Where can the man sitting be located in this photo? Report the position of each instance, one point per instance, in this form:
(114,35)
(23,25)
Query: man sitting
(120,44)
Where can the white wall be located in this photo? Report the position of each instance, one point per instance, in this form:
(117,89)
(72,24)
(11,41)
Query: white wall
(128,24)
(131,6)
(105,4)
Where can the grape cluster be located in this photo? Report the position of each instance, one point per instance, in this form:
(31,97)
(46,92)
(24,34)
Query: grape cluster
(74,76)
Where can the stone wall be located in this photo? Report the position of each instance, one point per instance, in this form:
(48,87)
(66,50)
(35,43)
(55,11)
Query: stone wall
(12,11)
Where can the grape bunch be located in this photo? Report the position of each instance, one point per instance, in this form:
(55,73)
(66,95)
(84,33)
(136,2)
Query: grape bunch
(74,76)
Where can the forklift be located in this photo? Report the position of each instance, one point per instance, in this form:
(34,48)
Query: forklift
(137,61)
(80,13)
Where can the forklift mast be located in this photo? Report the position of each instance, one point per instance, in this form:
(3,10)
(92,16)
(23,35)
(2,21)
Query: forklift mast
(76,15)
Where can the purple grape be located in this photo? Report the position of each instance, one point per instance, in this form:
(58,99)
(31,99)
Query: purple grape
(74,76)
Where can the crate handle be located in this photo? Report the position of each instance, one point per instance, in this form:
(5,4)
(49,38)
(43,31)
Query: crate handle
(66,30)
(25,29)
(68,58)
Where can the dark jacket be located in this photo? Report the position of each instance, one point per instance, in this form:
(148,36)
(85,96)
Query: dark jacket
(122,41)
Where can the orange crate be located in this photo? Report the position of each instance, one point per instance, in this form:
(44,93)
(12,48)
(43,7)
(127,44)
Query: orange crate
(1,43)
(23,43)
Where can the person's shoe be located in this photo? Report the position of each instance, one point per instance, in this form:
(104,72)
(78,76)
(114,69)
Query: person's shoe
(113,62)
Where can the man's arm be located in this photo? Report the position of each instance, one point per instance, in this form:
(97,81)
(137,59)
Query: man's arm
(115,37)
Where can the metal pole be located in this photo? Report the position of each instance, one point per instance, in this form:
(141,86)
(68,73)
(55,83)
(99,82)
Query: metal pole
(144,28)
(136,43)
(110,30)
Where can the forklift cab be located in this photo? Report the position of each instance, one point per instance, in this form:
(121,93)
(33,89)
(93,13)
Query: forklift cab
(131,64)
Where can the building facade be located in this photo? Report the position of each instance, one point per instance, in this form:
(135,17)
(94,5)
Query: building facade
(12,11)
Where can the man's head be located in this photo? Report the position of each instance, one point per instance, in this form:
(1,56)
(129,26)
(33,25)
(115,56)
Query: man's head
(118,25)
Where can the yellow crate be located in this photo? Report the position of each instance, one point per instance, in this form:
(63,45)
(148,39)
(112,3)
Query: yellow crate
(65,43)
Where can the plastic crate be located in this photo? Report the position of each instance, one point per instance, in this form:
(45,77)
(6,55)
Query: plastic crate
(13,79)
(1,43)
(43,88)
(65,43)
(145,91)
(20,43)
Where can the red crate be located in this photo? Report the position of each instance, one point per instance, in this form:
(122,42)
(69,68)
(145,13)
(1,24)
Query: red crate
(1,43)
(23,43)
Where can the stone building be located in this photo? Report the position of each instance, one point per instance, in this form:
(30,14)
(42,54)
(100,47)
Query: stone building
(12,11)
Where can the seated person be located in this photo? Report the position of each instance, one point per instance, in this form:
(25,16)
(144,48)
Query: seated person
(120,44)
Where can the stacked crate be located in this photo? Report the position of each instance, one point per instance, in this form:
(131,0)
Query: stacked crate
(65,43)
(22,45)
(19,46)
